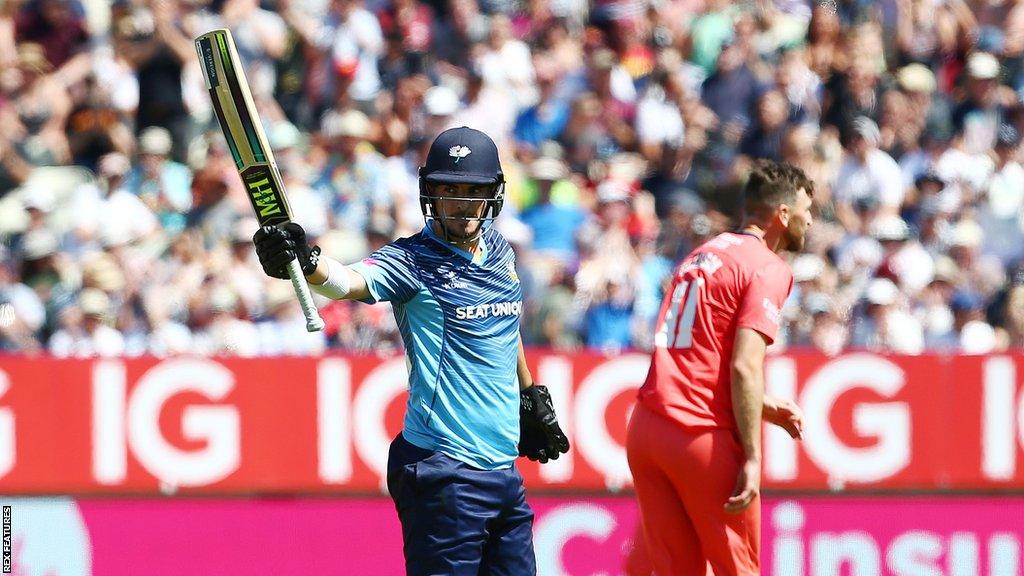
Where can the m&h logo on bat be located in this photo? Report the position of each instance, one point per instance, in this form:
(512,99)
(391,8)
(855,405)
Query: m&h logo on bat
(263,194)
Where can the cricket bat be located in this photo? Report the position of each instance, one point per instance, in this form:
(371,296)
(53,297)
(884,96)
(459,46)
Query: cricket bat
(249,147)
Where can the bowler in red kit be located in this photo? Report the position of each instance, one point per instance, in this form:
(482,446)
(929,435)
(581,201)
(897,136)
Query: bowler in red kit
(694,440)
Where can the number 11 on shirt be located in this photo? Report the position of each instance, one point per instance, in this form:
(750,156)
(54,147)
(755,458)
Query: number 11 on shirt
(676,330)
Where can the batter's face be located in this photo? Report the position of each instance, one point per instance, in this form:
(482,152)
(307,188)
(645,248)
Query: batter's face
(460,208)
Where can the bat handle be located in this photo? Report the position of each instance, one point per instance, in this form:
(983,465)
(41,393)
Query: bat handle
(313,321)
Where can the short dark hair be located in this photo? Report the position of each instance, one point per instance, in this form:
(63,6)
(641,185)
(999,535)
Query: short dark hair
(773,183)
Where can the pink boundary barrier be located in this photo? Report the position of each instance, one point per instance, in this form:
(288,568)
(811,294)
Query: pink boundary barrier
(818,536)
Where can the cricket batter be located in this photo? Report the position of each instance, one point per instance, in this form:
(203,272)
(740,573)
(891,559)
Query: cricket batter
(473,406)
(694,440)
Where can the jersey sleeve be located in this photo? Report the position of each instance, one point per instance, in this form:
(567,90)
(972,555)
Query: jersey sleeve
(761,307)
(390,275)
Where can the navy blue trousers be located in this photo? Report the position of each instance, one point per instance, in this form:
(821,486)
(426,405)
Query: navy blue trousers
(458,520)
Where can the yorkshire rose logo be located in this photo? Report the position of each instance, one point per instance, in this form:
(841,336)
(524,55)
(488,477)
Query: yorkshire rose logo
(459,152)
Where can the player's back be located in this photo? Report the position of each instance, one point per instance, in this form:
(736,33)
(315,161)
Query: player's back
(730,281)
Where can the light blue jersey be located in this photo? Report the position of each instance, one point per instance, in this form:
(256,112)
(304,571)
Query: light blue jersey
(459,318)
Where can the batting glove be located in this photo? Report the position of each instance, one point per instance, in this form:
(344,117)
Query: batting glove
(277,246)
(540,436)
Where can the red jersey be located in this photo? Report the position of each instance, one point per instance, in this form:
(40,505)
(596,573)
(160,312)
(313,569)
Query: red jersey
(729,282)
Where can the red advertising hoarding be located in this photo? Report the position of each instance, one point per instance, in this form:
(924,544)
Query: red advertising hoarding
(191,425)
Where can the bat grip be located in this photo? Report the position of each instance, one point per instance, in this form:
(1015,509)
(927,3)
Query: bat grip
(313,321)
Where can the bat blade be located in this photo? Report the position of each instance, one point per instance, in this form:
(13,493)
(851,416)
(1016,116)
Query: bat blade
(240,122)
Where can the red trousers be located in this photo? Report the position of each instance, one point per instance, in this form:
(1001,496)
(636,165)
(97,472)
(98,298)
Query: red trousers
(682,481)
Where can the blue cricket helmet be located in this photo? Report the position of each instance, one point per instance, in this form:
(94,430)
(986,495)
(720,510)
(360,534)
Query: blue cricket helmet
(462,156)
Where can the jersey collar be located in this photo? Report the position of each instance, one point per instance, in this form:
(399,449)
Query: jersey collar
(481,250)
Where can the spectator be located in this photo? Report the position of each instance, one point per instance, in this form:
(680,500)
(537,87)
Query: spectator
(731,93)
(546,119)
(904,261)
(151,40)
(970,334)
(886,326)
(167,337)
(97,124)
(659,120)
(176,279)
(505,63)
(489,106)
(57,26)
(38,204)
(607,259)
(608,322)
(356,42)
(709,32)
(294,89)
(929,33)
(45,269)
(1001,212)
(107,204)
(616,96)
(931,156)
(226,334)
(765,140)
(214,213)
(85,331)
(353,180)
(982,273)
(283,329)
(800,85)
(412,22)
(553,324)
(463,27)
(829,333)
(584,136)
(242,271)
(824,35)
(162,184)
(928,108)
(34,122)
(977,118)
(260,38)
(857,91)
(867,173)
(22,314)
(440,103)
(554,222)
(655,263)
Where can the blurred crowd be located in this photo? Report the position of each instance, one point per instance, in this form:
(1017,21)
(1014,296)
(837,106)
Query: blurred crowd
(626,129)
